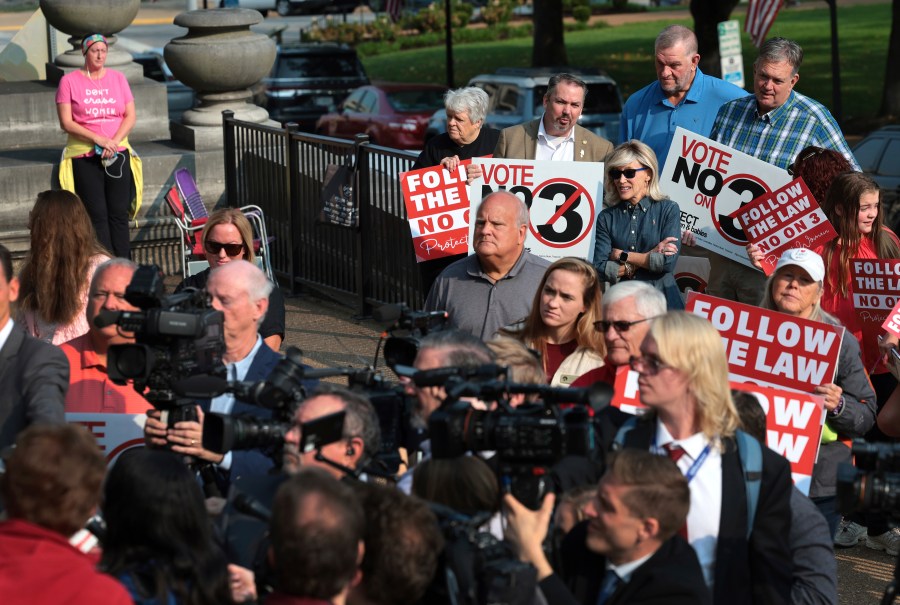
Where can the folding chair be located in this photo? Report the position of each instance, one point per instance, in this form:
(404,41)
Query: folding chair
(195,211)
(191,245)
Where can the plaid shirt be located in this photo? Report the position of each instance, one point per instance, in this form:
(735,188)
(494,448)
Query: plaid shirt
(780,135)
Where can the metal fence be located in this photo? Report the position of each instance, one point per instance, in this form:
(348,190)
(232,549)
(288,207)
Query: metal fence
(282,171)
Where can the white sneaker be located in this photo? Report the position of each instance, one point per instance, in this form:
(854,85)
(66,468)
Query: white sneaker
(889,542)
(849,534)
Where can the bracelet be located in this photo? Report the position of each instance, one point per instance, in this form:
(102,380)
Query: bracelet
(840,407)
(629,270)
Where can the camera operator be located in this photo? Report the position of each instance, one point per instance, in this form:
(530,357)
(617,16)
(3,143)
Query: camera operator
(361,437)
(240,291)
(90,388)
(641,502)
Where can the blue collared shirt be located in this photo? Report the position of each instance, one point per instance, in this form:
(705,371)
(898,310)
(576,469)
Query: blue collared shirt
(777,137)
(649,116)
(237,372)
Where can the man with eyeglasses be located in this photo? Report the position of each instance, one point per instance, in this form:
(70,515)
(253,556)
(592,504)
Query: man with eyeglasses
(556,135)
(773,125)
(90,389)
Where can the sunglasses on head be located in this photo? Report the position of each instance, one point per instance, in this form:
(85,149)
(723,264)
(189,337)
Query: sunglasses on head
(629,173)
(811,153)
(230,249)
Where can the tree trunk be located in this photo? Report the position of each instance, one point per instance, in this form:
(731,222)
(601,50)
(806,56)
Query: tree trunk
(890,100)
(549,49)
(707,16)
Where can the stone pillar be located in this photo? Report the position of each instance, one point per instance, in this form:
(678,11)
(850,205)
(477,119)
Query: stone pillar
(79,18)
(220,58)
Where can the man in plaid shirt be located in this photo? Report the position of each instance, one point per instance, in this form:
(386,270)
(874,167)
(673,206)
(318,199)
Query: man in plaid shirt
(774,124)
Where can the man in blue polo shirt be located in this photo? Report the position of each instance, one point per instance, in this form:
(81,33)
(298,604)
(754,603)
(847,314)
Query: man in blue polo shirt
(682,95)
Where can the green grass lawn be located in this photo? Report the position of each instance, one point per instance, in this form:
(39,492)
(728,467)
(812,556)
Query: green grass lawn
(626,53)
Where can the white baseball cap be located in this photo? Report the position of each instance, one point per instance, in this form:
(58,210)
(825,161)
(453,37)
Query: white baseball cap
(807,260)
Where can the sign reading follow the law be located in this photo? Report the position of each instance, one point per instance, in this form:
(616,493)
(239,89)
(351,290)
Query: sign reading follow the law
(787,218)
(709,182)
(437,205)
(564,199)
(771,348)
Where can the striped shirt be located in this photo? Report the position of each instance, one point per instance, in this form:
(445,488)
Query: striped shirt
(778,136)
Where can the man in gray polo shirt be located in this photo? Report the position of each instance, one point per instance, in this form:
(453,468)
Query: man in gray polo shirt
(495,286)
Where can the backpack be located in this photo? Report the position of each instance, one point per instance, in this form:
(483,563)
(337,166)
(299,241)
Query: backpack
(749,453)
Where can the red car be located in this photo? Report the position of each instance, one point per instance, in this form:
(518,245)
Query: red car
(393,115)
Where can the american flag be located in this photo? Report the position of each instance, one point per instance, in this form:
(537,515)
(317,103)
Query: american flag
(393,8)
(760,16)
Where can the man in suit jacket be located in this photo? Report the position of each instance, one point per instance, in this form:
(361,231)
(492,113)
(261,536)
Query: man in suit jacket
(629,551)
(34,375)
(556,135)
(240,290)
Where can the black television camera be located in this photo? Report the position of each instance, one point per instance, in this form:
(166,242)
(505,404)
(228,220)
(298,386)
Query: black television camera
(528,441)
(176,337)
(406,331)
(873,485)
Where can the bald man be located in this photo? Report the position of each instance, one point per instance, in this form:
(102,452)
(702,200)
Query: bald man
(495,286)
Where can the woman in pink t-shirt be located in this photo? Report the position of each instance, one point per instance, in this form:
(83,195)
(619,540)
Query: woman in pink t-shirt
(96,109)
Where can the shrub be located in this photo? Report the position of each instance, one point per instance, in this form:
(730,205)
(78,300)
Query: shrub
(497,11)
(581,13)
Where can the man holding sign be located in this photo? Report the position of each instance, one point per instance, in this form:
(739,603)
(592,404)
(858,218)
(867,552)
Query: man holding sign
(774,125)
(556,135)
(495,286)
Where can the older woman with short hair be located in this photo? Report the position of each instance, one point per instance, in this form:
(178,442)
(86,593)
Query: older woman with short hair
(796,288)
(638,234)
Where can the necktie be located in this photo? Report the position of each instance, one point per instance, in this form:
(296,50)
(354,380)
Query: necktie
(675,452)
(610,583)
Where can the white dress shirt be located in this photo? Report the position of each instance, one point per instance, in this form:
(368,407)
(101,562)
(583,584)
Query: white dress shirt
(554,148)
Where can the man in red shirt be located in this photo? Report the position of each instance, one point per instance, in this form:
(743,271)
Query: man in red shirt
(90,389)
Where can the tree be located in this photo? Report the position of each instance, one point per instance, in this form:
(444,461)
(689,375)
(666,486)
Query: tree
(890,100)
(549,47)
(707,15)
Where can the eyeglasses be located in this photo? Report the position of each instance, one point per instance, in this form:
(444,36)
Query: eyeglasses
(615,174)
(648,365)
(811,153)
(619,326)
(230,249)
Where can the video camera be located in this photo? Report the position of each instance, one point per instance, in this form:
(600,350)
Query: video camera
(406,331)
(873,485)
(527,440)
(176,337)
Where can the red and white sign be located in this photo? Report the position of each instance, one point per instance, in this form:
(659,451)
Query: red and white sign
(437,205)
(710,181)
(793,427)
(564,199)
(876,288)
(891,325)
(114,433)
(788,218)
(771,348)
(626,393)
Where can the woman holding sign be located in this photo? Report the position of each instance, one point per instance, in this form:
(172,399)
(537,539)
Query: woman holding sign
(561,323)
(796,288)
(639,232)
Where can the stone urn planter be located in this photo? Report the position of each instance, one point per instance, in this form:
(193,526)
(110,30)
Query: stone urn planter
(79,18)
(220,58)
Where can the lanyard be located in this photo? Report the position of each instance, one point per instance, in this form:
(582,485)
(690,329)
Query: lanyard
(694,468)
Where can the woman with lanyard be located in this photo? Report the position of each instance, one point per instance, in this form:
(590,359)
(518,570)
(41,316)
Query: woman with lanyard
(683,380)
(96,109)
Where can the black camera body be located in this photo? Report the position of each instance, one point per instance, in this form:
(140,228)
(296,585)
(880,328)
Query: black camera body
(176,337)
(406,331)
(873,485)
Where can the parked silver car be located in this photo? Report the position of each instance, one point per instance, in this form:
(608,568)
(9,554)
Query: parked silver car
(516,96)
(879,156)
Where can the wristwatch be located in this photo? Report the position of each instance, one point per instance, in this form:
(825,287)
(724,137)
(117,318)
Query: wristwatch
(623,257)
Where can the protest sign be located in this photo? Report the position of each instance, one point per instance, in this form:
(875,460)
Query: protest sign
(114,433)
(692,273)
(710,181)
(564,199)
(771,348)
(876,288)
(891,325)
(793,427)
(789,217)
(437,206)
(626,396)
